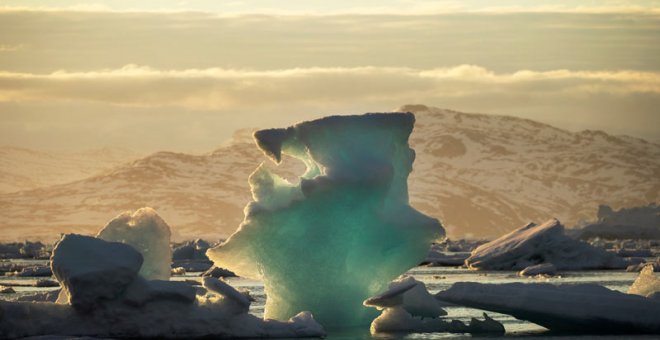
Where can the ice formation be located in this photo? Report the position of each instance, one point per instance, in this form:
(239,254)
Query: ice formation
(627,223)
(545,243)
(646,284)
(109,299)
(582,308)
(92,270)
(145,231)
(344,231)
(408,307)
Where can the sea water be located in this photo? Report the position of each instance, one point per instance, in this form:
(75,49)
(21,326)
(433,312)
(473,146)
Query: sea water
(436,279)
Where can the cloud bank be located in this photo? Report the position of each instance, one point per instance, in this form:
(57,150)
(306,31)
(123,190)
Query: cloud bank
(224,89)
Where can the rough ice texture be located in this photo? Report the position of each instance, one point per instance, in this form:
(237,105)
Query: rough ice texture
(408,307)
(145,231)
(103,278)
(545,243)
(92,270)
(338,236)
(584,308)
(397,320)
(646,284)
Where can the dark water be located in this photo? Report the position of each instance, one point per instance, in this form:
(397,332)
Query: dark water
(436,279)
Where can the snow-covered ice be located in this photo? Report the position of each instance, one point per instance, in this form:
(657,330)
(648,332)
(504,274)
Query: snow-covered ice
(92,270)
(582,308)
(545,243)
(647,283)
(145,231)
(109,299)
(408,307)
(411,295)
(341,233)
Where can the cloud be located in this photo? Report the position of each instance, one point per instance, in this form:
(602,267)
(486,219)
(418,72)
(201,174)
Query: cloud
(10,48)
(344,7)
(221,89)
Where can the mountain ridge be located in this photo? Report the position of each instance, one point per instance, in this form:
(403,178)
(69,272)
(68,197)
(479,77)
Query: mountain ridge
(481,174)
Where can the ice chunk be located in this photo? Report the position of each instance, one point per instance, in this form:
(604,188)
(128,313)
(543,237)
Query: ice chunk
(646,283)
(110,299)
(218,272)
(436,258)
(584,308)
(141,292)
(92,270)
(344,231)
(145,231)
(627,223)
(398,320)
(545,243)
(539,269)
(392,297)
(238,299)
(418,301)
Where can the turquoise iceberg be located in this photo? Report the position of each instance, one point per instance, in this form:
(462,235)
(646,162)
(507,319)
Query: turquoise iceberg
(344,230)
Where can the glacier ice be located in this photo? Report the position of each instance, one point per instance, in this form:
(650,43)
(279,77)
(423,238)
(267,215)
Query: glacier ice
(145,231)
(339,235)
(544,243)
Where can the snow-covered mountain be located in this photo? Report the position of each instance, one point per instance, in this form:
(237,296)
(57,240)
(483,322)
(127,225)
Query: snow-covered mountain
(480,174)
(26,169)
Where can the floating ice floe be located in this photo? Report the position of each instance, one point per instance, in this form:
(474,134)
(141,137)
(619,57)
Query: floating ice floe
(646,284)
(408,307)
(341,233)
(145,231)
(584,308)
(109,299)
(545,243)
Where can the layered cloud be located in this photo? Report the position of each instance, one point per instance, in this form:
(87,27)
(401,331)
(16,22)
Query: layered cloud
(171,78)
(364,7)
(222,89)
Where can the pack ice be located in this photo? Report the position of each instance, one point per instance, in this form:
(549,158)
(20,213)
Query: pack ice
(344,230)
(107,292)
(544,243)
(581,308)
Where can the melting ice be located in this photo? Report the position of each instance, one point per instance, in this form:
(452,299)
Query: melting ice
(344,231)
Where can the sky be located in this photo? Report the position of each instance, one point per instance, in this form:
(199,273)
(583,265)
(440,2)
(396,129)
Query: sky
(183,75)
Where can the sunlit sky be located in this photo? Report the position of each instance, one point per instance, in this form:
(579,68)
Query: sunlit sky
(182,75)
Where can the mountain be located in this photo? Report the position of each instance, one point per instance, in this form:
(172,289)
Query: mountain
(26,169)
(481,174)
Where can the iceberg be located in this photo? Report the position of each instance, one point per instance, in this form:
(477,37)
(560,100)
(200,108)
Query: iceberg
(537,244)
(582,308)
(145,231)
(343,231)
